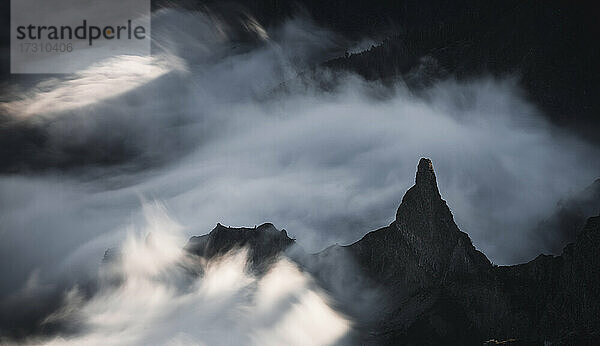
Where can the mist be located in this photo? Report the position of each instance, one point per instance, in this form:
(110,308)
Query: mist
(225,126)
(150,296)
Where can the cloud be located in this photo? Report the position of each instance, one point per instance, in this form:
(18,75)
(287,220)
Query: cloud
(242,136)
(158,301)
(101,81)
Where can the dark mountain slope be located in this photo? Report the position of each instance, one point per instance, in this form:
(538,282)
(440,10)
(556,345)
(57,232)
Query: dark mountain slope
(427,284)
(551,45)
(424,245)
(441,286)
(264,243)
(561,294)
(562,226)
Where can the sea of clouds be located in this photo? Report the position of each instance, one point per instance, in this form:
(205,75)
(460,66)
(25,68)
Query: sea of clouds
(223,124)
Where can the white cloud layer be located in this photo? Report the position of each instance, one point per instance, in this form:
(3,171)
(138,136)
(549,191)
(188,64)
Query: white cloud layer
(158,301)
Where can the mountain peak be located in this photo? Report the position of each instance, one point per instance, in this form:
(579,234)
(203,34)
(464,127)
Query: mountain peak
(264,242)
(427,226)
(424,195)
(425,170)
(426,175)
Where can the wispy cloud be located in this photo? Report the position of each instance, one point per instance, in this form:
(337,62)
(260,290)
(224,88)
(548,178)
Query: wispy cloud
(221,140)
(158,301)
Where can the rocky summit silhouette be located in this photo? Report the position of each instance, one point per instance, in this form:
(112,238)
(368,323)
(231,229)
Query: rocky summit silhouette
(263,242)
(432,286)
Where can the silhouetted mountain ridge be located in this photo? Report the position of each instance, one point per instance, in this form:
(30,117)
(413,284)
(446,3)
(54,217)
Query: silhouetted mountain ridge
(433,286)
(562,226)
(264,242)
(549,45)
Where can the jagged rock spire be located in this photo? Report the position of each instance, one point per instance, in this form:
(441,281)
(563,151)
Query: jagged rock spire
(427,225)
(425,181)
(264,243)
(425,173)
(424,197)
